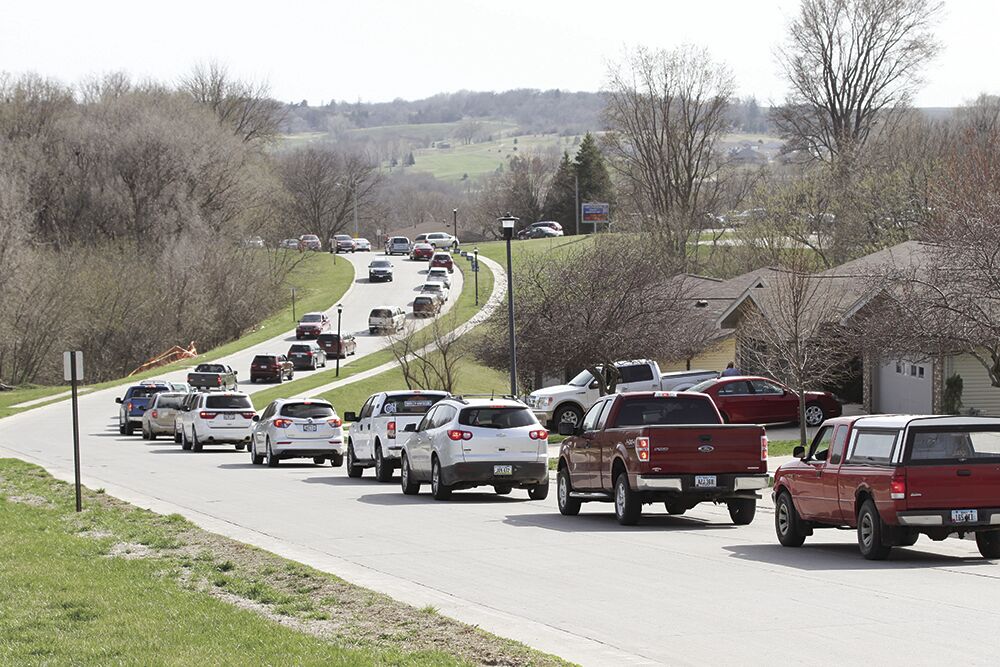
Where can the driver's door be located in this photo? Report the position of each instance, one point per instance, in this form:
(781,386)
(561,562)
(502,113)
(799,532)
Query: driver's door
(817,498)
(585,452)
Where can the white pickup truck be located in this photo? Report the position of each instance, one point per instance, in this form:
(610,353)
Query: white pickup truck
(568,402)
(376,436)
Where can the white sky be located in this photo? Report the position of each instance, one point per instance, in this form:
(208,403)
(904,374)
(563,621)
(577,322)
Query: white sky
(376,50)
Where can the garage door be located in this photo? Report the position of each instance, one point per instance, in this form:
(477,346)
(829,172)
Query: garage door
(902,387)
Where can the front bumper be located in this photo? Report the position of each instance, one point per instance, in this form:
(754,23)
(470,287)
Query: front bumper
(480,473)
(685,484)
(989,517)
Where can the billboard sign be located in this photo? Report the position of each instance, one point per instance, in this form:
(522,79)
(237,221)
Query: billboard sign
(596,213)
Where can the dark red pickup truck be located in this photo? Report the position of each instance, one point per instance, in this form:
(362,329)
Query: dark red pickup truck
(894,478)
(639,448)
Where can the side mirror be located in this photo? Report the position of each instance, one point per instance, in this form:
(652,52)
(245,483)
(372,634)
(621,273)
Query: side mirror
(118,400)
(350,416)
(567,428)
(410,428)
(256,418)
(799,452)
(593,384)
(235,373)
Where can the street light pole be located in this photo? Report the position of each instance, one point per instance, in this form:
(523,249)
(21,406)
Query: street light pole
(340,341)
(454,217)
(576,198)
(475,270)
(508,224)
(355,191)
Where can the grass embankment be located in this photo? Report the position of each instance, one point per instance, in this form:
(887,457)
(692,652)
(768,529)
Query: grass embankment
(319,281)
(116,584)
(781,447)
(464,309)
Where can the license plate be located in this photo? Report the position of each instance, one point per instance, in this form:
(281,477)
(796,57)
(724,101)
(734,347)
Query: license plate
(964,516)
(309,427)
(705,481)
(503,470)
(230,417)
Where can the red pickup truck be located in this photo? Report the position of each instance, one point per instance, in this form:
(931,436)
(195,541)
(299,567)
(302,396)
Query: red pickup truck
(639,448)
(893,478)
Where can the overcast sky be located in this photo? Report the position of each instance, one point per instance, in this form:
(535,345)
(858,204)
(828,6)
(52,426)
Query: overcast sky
(377,50)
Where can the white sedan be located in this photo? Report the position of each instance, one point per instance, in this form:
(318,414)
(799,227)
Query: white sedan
(294,428)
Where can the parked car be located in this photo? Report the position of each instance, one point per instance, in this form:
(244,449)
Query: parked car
(342,243)
(568,402)
(378,432)
(215,419)
(380,270)
(439,274)
(426,306)
(310,242)
(253,242)
(338,346)
(387,319)
(421,238)
(271,368)
(638,448)
(208,377)
(442,241)
(312,325)
(436,290)
(443,260)
(289,244)
(159,418)
(397,245)
(760,400)
(295,428)
(893,478)
(463,443)
(541,229)
(422,252)
(134,403)
(362,245)
(307,356)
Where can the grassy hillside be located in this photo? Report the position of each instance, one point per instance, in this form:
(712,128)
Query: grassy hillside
(484,158)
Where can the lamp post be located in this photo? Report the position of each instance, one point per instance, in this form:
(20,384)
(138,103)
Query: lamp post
(454,218)
(340,342)
(475,270)
(507,223)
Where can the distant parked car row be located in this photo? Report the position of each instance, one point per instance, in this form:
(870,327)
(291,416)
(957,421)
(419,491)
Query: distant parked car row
(540,230)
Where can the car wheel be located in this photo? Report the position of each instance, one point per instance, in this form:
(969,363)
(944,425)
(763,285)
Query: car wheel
(129,428)
(787,523)
(674,508)
(568,506)
(989,544)
(439,489)
(319,460)
(281,378)
(383,471)
(627,505)
(185,443)
(502,489)
(410,486)
(742,510)
(272,460)
(539,491)
(353,469)
(567,413)
(336,460)
(814,414)
(870,533)
(121,428)
(240,446)
(177,437)
(195,445)
(255,458)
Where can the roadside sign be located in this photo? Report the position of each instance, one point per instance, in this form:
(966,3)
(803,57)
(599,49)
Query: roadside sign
(73,372)
(68,374)
(596,213)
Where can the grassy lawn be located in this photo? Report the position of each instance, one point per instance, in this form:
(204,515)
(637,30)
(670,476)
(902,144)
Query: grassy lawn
(781,447)
(478,159)
(497,250)
(319,282)
(116,584)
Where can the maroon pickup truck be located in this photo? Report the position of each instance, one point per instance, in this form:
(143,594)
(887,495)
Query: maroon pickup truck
(671,447)
(894,478)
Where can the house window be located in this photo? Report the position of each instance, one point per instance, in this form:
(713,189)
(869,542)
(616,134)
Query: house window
(913,370)
(920,371)
(899,367)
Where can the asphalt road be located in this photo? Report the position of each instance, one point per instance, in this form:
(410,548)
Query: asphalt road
(673,590)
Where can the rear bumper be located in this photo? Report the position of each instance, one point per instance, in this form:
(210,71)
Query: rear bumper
(480,473)
(988,518)
(307,449)
(685,484)
(266,375)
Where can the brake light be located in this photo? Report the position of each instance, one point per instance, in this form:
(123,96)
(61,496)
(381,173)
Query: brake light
(309,354)
(541,434)
(218,380)
(459,435)
(897,487)
(153,414)
(763,448)
(282,423)
(642,448)
(390,429)
(207,415)
(248,415)
(335,422)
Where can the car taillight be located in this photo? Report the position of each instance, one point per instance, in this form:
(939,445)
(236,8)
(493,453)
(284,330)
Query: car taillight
(248,415)
(282,423)
(642,448)
(309,354)
(539,435)
(335,422)
(218,380)
(763,448)
(153,414)
(460,435)
(390,430)
(207,415)
(897,487)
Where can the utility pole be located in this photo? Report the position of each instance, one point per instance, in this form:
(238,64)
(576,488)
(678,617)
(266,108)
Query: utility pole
(576,191)
(454,214)
(355,190)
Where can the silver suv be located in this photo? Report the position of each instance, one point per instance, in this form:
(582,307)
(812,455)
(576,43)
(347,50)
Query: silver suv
(397,244)
(462,443)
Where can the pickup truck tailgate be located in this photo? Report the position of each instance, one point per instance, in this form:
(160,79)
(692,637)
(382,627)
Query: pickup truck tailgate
(705,449)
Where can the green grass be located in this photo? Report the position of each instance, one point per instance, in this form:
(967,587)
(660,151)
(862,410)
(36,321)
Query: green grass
(781,447)
(478,159)
(497,250)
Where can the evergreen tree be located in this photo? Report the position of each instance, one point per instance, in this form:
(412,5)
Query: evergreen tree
(595,183)
(560,202)
(408,161)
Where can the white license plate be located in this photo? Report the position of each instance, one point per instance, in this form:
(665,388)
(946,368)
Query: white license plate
(503,470)
(964,516)
(229,417)
(705,481)
(309,427)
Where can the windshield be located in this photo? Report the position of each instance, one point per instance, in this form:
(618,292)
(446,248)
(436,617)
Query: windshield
(499,418)
(343,237)
(409,404)
(379,263)
(264,360)
(228,402)
(312,317)
(300,348)
(210,368)
(432,287)
(307,410)
(702,386)
(954,445)
(666,411)
(582,380)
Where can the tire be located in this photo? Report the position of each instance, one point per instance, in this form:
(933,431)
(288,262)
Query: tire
(177,437)
(989,544)
(409,486)
(185,443)
(353,469)
(121,428)
(908,539)
(787,523)
(255,458)
(628,509)
(439,490)
(870,533)
(281,378)
(129,428)
(502,489)
(269,457)
(336,460)
(240,446)
(567,506)
(319,460)
(567,413)
(742,510)
(675,508)
(539,491)
(814,414)
(383,470)
(195,445)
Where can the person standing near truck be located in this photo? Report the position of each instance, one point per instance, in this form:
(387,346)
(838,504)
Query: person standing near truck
(731,370)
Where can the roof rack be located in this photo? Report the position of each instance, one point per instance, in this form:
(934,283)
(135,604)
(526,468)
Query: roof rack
(462,397)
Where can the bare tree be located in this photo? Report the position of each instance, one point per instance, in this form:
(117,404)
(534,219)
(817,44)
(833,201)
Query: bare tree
(245,107)
(850,64)
(430,361)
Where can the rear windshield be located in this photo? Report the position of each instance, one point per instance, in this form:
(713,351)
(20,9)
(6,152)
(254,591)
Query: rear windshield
(665,411)
(496,417)
(210,368)
(300,348)
(409,404)
(400,239)
(312,317)
(381,312)
(329,337)
(228,402)
(307,410)
(265,359)
(170,401)
(423,300)
(145,392)
(953,446)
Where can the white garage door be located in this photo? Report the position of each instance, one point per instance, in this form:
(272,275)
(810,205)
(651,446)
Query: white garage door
(902,387)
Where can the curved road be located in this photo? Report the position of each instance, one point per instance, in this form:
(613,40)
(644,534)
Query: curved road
(673,590)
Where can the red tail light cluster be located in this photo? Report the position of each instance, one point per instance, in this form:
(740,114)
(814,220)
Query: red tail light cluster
(642,448)
(282,423)
(897,487)
(207,415)
(153,414)
(248,415)
(390,429)
(459,435)
(763,448)
(335,422)
(218,380)
(539,435)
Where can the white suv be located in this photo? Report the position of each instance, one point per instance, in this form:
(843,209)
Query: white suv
(466,442)
(376,437)
(442,240)
(215,419)
(295,428)
(390,319)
